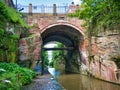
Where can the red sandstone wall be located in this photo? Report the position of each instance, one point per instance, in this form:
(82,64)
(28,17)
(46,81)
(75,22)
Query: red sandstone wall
(30,48)
(103,49)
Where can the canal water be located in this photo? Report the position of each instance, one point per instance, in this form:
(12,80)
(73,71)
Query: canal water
(81,82)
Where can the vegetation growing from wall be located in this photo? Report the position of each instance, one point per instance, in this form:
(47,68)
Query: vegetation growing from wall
(99,15)
(11,24)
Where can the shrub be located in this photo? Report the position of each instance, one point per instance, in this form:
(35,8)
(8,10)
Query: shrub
(9,81)
(26,75)
(10,67)
(13,76)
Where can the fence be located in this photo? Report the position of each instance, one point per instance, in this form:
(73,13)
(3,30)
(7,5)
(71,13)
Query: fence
(44,8)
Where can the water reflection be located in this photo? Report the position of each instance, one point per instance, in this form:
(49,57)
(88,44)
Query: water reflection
(54,73)
(80,82)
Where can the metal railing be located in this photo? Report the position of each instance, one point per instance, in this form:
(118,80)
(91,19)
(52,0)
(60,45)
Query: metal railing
(60,9)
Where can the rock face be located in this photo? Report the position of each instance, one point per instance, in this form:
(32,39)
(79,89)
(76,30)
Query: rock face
(104,48)
(30,48)
(107,48)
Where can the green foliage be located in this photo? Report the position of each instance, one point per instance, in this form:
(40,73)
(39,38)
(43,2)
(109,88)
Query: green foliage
(26,75)
(58,54)
(14,76)
(1,32)
(10,19)
(9,81)
(56,64)
(14,37)
(51,63)
(59,65)
(99,14)
(8,46)
(8,14)
(58,57)
(11,67)
(11,75)
(46,60)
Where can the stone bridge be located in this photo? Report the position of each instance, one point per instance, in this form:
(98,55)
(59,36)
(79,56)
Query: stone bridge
(61,29)
(69,31)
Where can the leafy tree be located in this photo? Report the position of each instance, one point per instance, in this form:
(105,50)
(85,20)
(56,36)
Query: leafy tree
(98,15)
(58,56)
(46,60)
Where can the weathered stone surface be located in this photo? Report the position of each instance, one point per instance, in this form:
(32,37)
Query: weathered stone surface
(30,48)
(108,46)
(103,49)
(105,70)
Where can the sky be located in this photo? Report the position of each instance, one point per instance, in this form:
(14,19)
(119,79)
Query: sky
(46,2)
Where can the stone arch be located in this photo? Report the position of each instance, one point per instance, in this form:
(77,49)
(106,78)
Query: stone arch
(68,34)
(63,23)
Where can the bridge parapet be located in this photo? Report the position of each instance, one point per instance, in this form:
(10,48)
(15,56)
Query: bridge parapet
(45,15)
(45,20)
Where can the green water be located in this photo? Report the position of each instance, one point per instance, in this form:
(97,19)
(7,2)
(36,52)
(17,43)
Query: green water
(81,82)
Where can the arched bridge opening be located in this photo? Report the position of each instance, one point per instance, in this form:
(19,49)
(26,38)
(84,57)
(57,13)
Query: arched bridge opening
(69,35)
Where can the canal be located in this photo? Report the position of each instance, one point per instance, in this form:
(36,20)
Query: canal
(81,82)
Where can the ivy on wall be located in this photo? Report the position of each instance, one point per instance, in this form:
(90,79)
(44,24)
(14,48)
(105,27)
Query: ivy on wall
(98,15)
(9,20)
